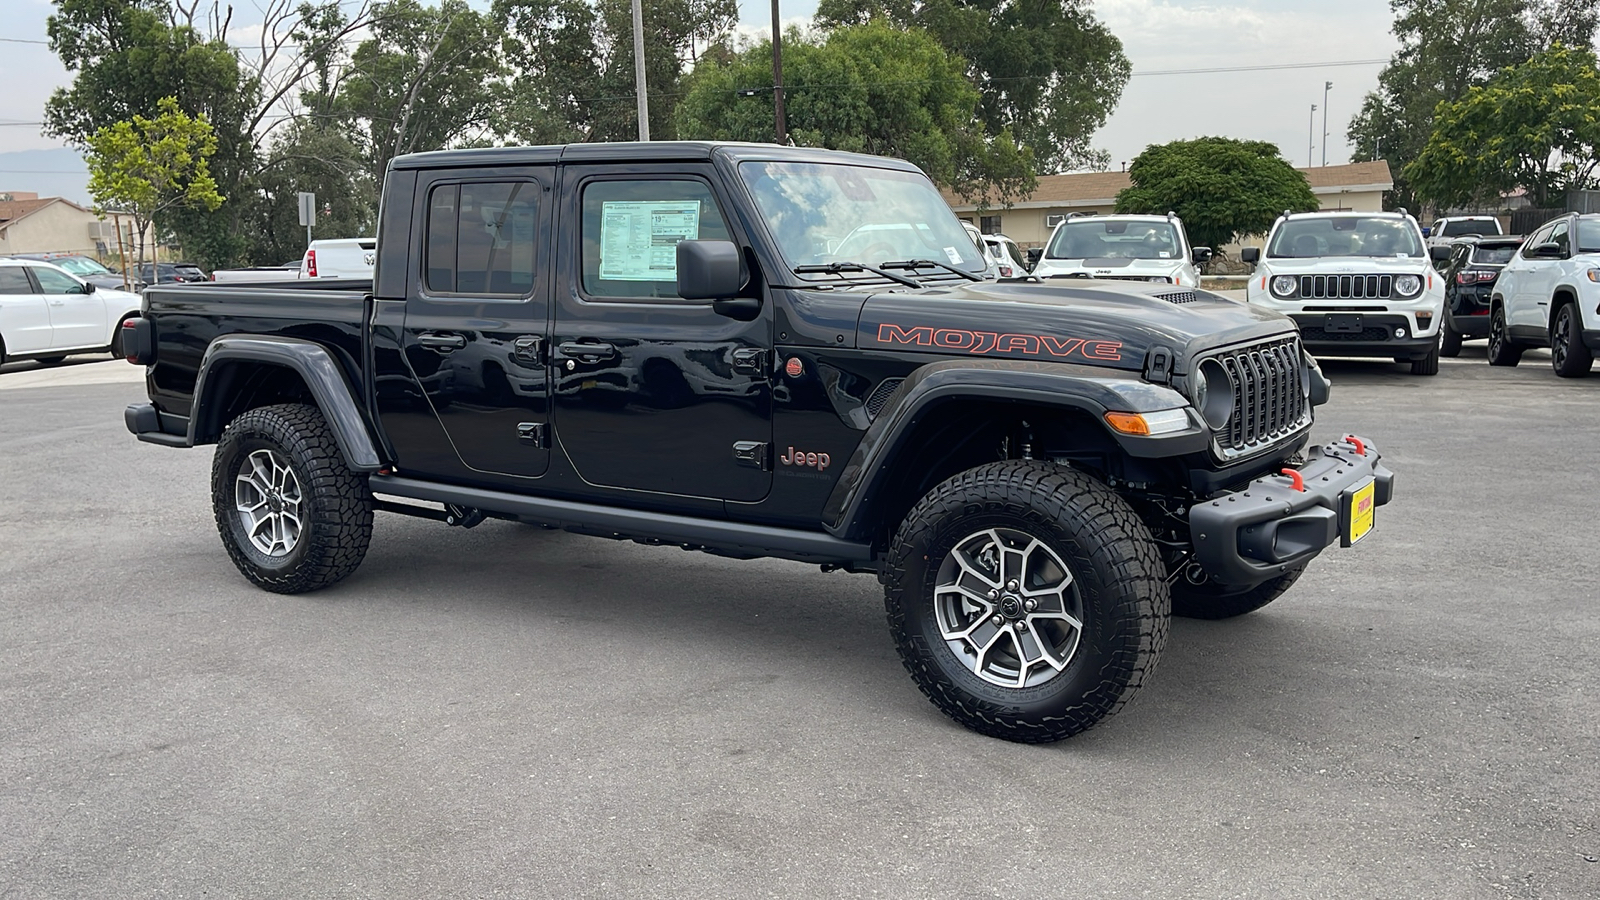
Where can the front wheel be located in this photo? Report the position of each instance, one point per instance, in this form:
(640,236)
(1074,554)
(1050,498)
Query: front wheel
(291,514)
(1449,340)
(1568,354)
(1026,600)
(1428,365)
(1502,352)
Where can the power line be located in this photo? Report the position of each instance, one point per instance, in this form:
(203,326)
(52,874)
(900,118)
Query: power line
(1266,68)
(21,41)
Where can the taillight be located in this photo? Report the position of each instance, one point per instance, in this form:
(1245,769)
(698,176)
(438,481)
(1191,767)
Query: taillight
(138,341)
(311,263)
(1005,271)
(1475,276)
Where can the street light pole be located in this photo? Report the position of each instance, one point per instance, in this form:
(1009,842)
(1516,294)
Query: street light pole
(1311,139)
(1326,87)
(638,71)
(780,127)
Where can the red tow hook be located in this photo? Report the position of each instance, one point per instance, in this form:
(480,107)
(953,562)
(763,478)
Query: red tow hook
(1296,480)
(1357,443)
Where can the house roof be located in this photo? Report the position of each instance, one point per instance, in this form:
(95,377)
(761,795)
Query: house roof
(12,210)
(1101,188)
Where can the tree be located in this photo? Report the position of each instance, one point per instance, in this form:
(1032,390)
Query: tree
(309,156)
(1221,188)
(146,167)
(1535,126)
(1048,71)
(573,61)
(873,88)
(1447,47)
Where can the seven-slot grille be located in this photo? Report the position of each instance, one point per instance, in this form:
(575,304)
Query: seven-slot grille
(1268,402)
(1346,287)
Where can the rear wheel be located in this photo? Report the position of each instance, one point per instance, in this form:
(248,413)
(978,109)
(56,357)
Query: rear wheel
(291,514)
(1568,354)
(1449,340)
(1502,352)
(1026,600)
(1206,599)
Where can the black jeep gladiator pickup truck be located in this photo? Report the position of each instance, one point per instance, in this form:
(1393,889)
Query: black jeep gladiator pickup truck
(759,351)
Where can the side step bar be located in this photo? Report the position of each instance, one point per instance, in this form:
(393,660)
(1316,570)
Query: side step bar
(713,535)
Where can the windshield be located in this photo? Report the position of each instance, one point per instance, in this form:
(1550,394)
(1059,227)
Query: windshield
(81,265)
(826,213)
(1472,226)
(1497,255)
(1114,239)
(1310,238)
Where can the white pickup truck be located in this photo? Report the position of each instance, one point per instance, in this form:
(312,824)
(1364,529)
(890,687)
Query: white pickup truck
(339,258)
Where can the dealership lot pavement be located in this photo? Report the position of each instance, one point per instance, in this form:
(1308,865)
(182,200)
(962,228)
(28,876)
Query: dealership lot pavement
(512,712)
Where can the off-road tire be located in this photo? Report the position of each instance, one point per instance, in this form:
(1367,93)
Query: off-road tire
(337,504)
(1449,340)
(1569,357)
(1210,600)
(1115,566)
(1502,350)
(1427,365)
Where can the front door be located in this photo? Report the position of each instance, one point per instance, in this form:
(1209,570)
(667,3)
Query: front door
(475,325)
(653,392)
(77,314)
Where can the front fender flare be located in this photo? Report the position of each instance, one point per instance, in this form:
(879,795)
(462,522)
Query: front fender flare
(1067,386)
(315,366)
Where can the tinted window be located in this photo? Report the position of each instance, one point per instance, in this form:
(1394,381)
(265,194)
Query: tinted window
(1496,256)
(1589,235)
(1473,226)
(481,238)
(1542,236)
(54,282)
(631,231)
(1114,239)
(13,280)
(1560,238)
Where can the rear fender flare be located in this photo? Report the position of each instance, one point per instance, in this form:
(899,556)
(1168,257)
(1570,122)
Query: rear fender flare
(850,508)
(315,366)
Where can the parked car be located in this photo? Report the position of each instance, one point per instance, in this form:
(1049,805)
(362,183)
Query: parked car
(1470,268)
(1007,256)
(89,269)
(1357,284)
(171,273)
(1447,230)
(682,343)
(47,312)
(991,268)
(1548,295)
(1123,248)
(339,258)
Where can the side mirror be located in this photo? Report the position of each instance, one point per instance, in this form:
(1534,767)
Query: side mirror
(1439,254)
(1201,254)
(711,270)
(86,287)
(1250,255)
(1033,256)
(1548,250)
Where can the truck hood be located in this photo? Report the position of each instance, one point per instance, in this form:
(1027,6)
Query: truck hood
(1111,324)
(1348,265)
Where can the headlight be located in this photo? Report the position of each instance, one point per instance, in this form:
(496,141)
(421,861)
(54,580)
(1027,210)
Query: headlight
(1407,285)
(1161,279)
(1285,285)
(1213,393)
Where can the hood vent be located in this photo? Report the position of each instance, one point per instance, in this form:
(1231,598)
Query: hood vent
(1179,297)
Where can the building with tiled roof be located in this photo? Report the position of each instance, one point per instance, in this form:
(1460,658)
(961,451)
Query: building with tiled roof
(33,224)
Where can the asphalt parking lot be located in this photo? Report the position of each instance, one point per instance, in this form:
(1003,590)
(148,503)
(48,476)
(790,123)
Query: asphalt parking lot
(512,712)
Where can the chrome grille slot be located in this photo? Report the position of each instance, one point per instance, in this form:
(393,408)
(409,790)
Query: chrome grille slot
(1268,403)
(1346,287)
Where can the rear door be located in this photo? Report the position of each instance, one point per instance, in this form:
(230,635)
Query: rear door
(475,325)
(655,393)
(24,323)
(77,319)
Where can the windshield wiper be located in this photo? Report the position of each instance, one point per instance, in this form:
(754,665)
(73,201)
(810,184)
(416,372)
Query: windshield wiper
(925,263)
(839,268)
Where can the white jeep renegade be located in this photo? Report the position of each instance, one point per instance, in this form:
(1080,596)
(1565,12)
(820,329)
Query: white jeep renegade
(1357,284)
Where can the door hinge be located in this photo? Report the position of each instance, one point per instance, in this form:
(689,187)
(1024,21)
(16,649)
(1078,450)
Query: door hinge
(533,434)
(528,349)
(1158,368)
(750,360)
(754,454)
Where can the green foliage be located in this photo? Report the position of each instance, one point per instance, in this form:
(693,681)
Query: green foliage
(311,157)
(1222,188)
(575,78)
(1534,126)
(873,88)
(145,167)
(1049,72)
(1447,47)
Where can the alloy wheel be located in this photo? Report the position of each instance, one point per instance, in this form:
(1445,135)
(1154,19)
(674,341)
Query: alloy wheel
(268,498)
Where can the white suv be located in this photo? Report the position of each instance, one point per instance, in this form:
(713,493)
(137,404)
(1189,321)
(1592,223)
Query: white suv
(1357,284)
(1123,248)
(47,313)
(1548,295)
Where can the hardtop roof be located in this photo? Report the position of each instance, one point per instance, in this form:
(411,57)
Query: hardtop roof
(636,152)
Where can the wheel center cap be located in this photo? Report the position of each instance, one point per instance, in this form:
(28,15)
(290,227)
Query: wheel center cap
(1011,606)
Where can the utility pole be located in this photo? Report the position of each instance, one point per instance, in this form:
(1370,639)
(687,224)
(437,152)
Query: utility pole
(638,71)
(1326,87)
(780,127)
(1311,139)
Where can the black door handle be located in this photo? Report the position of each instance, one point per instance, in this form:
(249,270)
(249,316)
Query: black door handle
(587,351)
(442,342)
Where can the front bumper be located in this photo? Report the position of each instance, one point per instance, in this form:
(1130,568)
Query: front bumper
(1248,536)
(1381,334)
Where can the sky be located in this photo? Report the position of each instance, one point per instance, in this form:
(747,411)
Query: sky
(1320,39)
